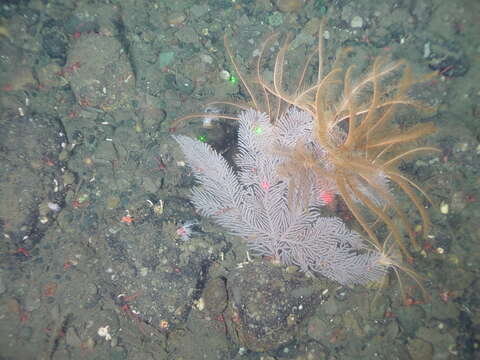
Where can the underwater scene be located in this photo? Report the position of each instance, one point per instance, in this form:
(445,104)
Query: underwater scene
(239,179)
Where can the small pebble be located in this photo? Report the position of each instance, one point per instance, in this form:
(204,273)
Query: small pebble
(357,22)
(290,5)
(426,50)
(68,178)
(207,59)
(444,208)
(224,75)
(54,207)
(112,202)
(176,19)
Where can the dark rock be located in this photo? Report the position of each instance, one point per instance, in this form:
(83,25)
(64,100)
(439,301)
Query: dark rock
(420,350)
(266,305)
(30,146)
(215,297)
(156,277)
(55,42)
(447,59)
(100,73)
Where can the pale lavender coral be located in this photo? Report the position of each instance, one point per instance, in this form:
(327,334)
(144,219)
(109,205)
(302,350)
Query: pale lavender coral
(259,204)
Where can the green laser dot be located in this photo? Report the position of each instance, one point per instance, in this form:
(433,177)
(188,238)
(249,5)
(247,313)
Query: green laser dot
(258,130)
(233,79)
(202,138)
